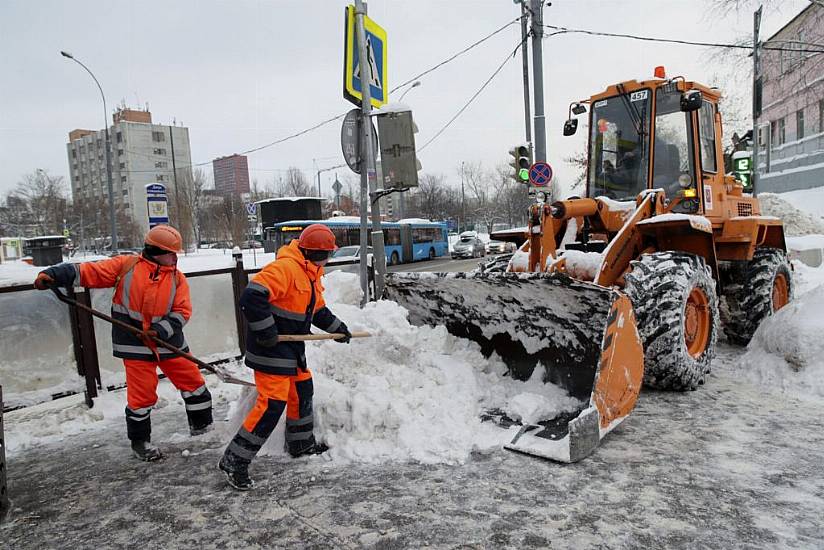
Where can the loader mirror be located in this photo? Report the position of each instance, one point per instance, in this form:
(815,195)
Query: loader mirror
(578,109)
(570,126)
(691,101)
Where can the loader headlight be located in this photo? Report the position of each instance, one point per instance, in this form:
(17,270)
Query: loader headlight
(684,180)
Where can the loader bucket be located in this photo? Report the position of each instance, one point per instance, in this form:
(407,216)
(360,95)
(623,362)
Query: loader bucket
(583,334)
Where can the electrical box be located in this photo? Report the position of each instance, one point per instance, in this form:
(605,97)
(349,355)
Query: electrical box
(397,146)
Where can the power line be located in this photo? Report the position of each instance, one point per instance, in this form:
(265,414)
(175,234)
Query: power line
(563,30)
(471,99)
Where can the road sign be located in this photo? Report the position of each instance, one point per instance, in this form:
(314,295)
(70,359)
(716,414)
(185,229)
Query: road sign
(251,208)
(376,63)
(350,138)
(540,174)
(156,204)
(336,187)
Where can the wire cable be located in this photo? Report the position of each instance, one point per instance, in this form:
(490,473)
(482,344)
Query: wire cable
(475,95)
(561,30)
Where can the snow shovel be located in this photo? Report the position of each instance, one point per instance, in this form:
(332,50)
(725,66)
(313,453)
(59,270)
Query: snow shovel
(312,337)
(222,375)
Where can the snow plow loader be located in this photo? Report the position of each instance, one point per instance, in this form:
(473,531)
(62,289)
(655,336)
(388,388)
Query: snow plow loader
(630,283)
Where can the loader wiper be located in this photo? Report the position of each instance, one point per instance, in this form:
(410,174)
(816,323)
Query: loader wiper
(636,117)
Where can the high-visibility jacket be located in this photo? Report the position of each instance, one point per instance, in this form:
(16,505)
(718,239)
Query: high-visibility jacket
(285,297)
(147,296)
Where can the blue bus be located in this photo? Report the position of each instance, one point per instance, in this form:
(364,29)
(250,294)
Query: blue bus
(404,241)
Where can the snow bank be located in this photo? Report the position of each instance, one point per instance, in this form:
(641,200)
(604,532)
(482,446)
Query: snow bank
(796,221)
(407,393)
(787,350)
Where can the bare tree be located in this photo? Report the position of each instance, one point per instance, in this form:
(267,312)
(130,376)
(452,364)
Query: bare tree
(185,205)
(43,199)
(233,218)
(292,184)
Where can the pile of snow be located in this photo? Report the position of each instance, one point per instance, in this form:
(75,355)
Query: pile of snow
(796,221)
(787,350)
(406,393)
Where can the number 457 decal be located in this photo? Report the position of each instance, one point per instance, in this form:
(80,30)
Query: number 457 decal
(639,96)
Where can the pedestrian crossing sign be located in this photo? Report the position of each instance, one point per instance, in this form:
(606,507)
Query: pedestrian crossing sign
(375,66)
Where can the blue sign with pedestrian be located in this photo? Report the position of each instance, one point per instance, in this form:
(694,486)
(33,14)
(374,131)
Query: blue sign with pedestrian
(540,174)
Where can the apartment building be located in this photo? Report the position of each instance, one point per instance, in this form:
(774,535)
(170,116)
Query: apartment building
(142,153)
(231,174)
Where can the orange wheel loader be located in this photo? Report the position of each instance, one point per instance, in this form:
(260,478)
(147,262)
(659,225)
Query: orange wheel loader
(630,283)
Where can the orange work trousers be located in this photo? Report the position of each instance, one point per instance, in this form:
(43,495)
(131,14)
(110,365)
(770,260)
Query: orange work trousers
(141,379)
(277,387)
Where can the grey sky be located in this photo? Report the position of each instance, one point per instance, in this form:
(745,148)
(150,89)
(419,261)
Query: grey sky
(243,73)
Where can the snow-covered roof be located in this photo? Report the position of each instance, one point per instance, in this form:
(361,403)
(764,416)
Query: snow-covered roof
(291,199)
(415,220)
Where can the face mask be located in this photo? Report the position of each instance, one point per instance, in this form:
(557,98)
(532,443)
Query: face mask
(166,259)
(317,257)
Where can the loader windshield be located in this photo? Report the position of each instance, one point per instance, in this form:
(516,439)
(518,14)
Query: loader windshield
(618,145)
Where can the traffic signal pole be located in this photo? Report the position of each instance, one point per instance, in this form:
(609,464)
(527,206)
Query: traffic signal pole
(536,7)
(369,175)
(525,61)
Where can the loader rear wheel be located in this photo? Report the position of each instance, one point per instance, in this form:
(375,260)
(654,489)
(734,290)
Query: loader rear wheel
(753,291)
(676,310)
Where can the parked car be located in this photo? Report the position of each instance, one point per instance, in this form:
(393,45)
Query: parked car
(499,247)
(252,244)
(347,258)
(221,244)
(468,246)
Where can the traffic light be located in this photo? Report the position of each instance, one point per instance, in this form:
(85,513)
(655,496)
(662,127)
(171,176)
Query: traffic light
(521,161)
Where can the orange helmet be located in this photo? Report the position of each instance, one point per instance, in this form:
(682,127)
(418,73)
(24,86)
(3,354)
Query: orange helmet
(165,237)
(317,237)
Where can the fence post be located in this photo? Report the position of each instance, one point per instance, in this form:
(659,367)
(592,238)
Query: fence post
(239,281)
(85,344)
(4,494)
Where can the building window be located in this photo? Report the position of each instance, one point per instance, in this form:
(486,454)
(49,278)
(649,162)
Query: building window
(773,134)
(119,137)
(125,192)
(122,165)
(799,124)
(782,131)
(122,179)
(160,177)
(158,151)
(158,136)
(74,154)
(161,164)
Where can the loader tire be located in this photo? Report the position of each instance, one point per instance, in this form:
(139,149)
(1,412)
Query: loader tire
(676,309)
(753,291)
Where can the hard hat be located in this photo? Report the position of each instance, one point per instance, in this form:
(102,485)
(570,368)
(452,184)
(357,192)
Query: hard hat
(165,237)
(317,237)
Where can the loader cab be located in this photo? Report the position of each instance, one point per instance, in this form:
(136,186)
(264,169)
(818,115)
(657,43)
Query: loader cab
(647,135)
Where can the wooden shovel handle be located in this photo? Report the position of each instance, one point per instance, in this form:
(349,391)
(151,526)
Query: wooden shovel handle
(311,337)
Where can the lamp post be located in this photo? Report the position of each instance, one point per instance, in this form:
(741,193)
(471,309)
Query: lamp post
(414,85)
(463,200)
(112,218)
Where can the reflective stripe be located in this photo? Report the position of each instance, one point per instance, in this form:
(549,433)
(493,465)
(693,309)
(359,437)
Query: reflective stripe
(173,292)
(237,450)
(136,315)
(271,361)
(195,393)
(127,286)
(178,317)
(288,314)
(141,412)
(300,421)
(76,281)
(334,326)
(167,326)
(132,349)
(262,324)
(257,287)
(199,406)
(298,436)
(138,418)
(250,437)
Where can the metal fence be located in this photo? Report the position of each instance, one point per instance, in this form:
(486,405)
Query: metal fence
(84,339)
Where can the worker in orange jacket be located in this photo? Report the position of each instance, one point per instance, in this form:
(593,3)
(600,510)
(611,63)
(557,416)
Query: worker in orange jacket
(152,296)
(285,297)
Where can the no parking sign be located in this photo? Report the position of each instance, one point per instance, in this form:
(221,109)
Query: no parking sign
(540,174)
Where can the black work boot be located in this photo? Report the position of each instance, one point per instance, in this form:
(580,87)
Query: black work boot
(145,451)
(300,448)
(237,472)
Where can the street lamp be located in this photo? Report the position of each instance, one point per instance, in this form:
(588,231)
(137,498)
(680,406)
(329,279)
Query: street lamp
(414,85)
(112,219)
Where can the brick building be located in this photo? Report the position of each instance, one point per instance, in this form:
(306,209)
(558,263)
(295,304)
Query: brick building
(231,174)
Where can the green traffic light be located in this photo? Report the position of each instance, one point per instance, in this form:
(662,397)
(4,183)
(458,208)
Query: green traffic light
(523,174)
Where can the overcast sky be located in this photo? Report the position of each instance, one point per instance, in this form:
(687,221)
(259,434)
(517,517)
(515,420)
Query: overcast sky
(243,73)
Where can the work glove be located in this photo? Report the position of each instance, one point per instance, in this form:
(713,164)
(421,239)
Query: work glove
(345,331)
(44,281)
(269,342)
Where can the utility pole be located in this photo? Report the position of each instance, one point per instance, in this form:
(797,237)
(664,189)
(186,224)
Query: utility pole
(525,59)
(463,200)
(536,7)
(368,172)
(174,182)
(756,96)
